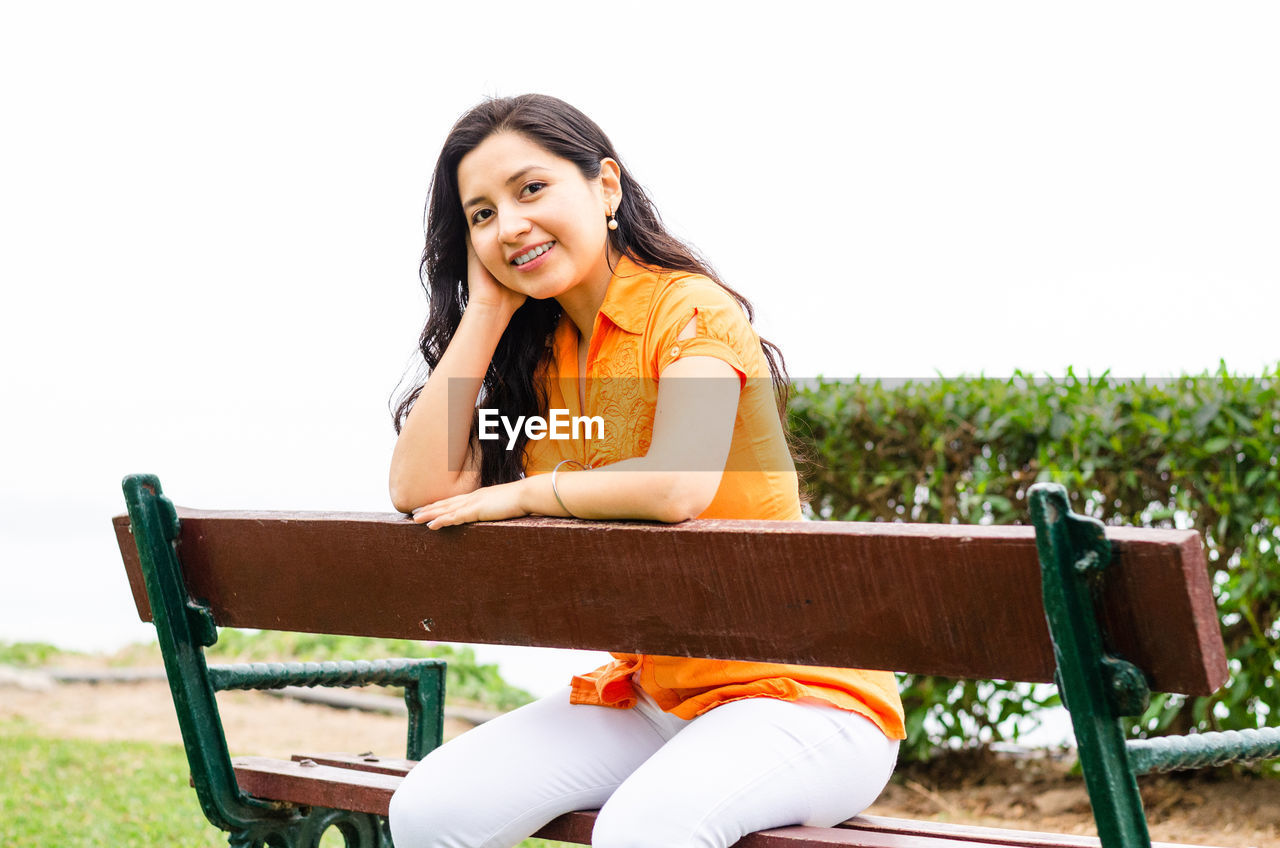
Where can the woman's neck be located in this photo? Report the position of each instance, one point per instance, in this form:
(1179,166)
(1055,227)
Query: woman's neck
(582,302)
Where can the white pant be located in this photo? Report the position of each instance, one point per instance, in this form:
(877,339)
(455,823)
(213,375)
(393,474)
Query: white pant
(658,780)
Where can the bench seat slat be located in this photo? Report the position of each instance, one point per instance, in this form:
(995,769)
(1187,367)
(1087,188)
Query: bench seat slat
(962,601)
(882,824)
(353,782)
(984,835)
(397,766)
(315,785)
(369,792)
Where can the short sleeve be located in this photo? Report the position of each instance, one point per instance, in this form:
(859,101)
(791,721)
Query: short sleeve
(721,328)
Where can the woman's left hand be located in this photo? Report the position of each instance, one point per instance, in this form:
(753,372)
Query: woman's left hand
(489,503)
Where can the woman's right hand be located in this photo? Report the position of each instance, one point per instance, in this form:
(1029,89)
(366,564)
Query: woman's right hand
(484,290)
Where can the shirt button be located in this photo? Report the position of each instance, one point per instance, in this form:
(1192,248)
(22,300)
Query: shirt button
(675,351)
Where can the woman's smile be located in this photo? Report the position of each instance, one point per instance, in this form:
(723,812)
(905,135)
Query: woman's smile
(533,257)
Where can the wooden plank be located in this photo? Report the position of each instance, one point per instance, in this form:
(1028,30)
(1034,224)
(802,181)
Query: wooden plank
(570,827)
(132,567)
(880,824)
(315,785)
(369,792)
(397,766)
(366,783)
(791,837)
(877,824)
(962,601)
(985,835)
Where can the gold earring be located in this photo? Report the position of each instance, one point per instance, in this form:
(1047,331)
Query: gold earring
(613,222)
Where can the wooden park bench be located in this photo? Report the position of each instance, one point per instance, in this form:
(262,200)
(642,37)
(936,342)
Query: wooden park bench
(1110,614)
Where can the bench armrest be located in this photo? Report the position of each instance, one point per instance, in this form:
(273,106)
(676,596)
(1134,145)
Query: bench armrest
(1200,750)
(422,679)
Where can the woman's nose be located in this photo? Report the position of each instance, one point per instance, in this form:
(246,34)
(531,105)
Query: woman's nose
(512,225)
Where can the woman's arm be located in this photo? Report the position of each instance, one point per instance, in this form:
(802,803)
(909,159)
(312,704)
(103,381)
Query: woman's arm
(677,479)
(433,458)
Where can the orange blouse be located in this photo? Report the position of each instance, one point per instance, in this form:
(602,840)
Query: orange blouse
(634,340)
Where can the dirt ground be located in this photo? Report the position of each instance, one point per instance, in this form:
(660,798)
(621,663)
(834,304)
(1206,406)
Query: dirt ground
(1023,792)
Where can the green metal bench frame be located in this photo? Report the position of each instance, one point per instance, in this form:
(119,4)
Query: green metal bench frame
(185,628)
(1097,687)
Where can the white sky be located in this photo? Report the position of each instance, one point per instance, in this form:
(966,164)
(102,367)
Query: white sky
(211,217)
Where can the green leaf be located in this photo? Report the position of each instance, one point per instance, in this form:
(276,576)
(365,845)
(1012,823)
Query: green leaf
(1205,415)
(1217,444)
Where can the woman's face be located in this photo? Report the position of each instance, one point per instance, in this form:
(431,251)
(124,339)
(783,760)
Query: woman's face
(534,220)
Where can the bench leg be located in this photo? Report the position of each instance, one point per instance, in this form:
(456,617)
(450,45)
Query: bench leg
(359,830)
(184,628)
(1095,687)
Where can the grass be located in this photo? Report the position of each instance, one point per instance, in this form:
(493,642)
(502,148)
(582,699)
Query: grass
(74,793)
(29,654)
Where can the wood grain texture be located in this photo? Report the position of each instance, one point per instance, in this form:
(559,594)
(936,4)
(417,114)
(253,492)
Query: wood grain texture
(961,601)
(315,785)
(369,791)
(882,824)
(983,835)
(397,766)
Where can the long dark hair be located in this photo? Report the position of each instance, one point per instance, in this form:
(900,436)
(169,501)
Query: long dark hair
(510,385)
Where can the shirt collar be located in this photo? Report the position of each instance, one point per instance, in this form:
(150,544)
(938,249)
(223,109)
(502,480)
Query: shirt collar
(626,301)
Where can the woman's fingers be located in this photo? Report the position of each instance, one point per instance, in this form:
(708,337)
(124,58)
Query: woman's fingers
(423,514)
(491,503)
(437,518)
(431,510)
(447,520)
(455,510)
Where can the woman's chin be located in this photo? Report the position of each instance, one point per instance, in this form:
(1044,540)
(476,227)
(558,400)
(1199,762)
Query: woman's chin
(545,289)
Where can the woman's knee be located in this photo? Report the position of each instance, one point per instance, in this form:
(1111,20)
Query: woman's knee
(644,826)
(414,820)
(424,814)
(410,820)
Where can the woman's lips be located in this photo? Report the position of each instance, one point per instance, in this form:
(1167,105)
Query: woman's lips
(537,260)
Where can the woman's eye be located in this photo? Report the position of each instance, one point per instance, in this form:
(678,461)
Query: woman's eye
(533,188)
(480,215)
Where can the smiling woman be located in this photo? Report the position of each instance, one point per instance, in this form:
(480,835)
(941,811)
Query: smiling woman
(555,290)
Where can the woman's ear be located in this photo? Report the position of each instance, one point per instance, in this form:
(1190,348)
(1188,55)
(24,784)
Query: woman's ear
(611,183)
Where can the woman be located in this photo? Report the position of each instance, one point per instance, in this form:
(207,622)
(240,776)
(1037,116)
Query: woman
(554,286)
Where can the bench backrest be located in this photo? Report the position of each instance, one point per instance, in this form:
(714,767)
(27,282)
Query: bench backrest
(961,601)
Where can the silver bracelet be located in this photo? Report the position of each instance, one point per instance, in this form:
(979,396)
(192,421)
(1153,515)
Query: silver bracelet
(556,491)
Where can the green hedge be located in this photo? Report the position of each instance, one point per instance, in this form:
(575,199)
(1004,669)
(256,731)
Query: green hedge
(1192,452)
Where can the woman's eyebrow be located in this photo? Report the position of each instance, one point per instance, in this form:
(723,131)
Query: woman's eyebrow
(517,175)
